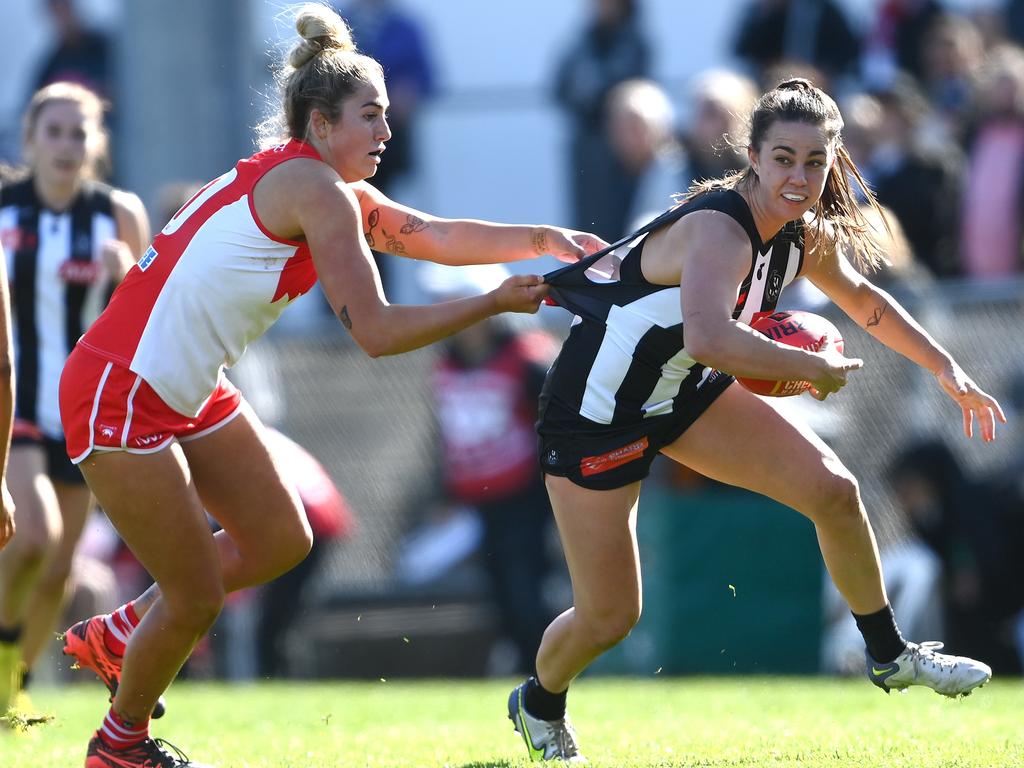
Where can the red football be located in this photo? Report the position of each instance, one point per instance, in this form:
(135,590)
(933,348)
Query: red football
(796,329)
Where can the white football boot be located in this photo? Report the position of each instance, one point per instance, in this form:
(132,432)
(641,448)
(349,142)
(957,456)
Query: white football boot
(545,739)
(923,665)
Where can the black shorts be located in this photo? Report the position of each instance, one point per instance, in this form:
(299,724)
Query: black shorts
(58,466)
(603,457)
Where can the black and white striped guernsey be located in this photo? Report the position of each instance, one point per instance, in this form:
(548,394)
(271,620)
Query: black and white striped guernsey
(625,358)
(58,286)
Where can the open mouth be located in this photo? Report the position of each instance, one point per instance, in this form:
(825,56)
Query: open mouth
(794,198)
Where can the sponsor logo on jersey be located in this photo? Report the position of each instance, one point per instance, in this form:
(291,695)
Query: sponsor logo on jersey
(594,465)
(147,258)
(79,272)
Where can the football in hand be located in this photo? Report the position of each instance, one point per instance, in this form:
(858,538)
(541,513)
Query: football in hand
(796,329)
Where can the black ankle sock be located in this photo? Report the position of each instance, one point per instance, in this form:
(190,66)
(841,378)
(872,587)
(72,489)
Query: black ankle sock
(881,635)
(543,703)
(12,635)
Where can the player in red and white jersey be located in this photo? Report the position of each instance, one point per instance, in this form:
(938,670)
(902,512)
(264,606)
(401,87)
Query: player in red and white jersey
(162,437)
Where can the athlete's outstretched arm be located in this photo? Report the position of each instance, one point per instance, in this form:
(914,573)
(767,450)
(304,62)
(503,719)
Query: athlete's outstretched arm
(394,228)
(6,402)
(883,317)
(318,205)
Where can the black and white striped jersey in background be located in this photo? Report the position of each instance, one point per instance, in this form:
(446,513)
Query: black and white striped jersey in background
(58,287)
(625,358)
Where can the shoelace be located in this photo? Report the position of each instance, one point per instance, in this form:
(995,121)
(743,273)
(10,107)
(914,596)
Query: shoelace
(565,738)
(159,750)
(927,652)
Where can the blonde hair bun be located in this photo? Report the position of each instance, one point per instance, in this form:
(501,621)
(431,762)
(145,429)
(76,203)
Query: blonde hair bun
(320,29)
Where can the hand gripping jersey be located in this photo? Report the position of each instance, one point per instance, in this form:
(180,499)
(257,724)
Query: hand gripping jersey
(213,280)
(625,359)
(58,287)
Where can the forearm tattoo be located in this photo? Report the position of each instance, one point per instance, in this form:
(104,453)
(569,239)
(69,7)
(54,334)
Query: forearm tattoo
(413,224)
(372,220)
(345,319)
(876,318)
(539,239)
(392,244)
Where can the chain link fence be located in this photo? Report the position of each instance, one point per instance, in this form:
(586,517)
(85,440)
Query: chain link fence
(370,422)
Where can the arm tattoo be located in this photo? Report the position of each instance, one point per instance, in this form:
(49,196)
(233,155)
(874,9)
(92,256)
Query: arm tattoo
(413,224)
(345,319)
(372,219)
(393,244)
(876,318)
(539,239)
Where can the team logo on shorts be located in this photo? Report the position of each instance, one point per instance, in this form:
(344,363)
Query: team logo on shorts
(107,431)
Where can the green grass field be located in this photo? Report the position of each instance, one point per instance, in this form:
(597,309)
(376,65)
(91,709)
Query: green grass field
(762,722)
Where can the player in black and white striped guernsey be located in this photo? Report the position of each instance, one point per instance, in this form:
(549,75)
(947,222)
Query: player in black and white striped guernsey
(69,240)
(644,372)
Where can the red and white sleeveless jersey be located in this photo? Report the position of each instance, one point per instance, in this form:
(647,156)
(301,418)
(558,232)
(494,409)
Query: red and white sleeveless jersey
(212,281)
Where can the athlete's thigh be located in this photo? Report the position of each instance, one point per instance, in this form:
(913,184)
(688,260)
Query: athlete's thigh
(36,510)
(243,487)
(153,504)
(598,533)
(743,441)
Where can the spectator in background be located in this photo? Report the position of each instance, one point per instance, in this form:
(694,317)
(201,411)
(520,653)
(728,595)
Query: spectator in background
(385,32)
(641,128)
(78,55)
(609,50)
(485,386)
(976,528)
(719,101)
(993,199)
(920,182)
(331,520)
(814,32)
(952,52)
(70,240)
(895,39)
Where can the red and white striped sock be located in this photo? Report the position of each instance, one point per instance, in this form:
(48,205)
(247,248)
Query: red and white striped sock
(120,734)
(119,626)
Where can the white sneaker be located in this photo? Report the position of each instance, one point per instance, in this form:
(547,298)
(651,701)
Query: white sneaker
(545,739)
(922,665)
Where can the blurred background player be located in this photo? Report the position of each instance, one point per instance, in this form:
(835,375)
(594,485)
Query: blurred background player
(69,239)
(485,386)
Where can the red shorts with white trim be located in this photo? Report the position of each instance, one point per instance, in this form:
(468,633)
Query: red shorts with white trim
(106,407)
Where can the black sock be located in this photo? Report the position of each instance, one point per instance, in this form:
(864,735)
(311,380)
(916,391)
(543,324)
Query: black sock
(12,635)
(543,703)
(881,635)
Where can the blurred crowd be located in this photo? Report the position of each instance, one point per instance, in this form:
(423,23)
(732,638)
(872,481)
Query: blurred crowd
(933,100)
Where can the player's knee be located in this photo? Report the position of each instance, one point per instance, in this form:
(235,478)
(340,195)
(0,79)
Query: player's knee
(613,627)
(33,545)
(295,544)
(198,606)
(840,502)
